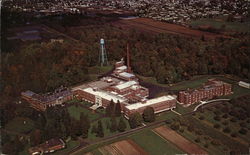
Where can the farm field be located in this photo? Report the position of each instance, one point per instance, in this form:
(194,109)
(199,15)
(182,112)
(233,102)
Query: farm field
(219,22)
(124,147)
(146,139)
(153,26)
(179,141)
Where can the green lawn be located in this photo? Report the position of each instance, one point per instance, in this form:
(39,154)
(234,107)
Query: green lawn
(165,115)
(197,81)
(99,69)
(20,125)
(69,146)
(75,112)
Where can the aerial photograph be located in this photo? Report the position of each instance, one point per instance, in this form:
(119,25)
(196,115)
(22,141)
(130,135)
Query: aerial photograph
(125,77)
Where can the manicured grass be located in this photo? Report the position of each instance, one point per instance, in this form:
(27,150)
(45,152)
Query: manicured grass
(151,80)
(165,115)
(154,144)
(182,110)
(217,23)
(193,83)
(99,69)
(69,146)
(238,91)
(75,112)
(20,125)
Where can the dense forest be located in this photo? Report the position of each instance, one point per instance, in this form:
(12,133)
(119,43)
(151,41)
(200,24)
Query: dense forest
(42,66)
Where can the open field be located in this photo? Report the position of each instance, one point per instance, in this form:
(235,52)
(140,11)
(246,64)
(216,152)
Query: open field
(20,125)
(124,147)
(153,144)
(69,146)
(219,22)
(179,141)
(153,26)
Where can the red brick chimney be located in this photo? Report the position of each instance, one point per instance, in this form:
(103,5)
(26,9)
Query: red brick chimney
(128,60)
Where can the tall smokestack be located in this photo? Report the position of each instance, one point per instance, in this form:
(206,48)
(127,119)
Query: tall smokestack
(128,60)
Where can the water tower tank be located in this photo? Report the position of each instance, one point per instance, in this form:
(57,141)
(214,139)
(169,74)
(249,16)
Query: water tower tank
(102,41)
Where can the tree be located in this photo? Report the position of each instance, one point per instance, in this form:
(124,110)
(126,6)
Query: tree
(100,132)
(35,137)
(118,109)
(135,120)
(85,124)
(94,129)
(17,145)
(110,109)
(113,126)
(148,114)
(122,125)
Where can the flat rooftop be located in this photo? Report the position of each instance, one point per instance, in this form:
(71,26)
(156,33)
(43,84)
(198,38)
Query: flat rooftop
(106,95)
(150,102)
(125,85)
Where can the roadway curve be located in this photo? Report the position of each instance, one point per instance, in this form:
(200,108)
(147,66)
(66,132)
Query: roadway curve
(206,102)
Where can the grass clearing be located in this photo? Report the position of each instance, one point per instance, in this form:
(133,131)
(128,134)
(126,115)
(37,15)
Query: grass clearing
(69,146)
(75,112)
(21,125)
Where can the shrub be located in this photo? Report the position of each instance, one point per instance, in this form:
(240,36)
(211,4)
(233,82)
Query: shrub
(243,124)
(243,131)
(201,117)
(168,121)
(234,134)
(227,130)
(215,142)
(175,126)
(217,112)
(225,116)
(225,123)
(198,132)
(217,126)
(233,119)
(181,130)
(190,128)
(217,118)
(206,145)
(197,140)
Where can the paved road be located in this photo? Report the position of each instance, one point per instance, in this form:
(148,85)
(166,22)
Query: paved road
(206,102)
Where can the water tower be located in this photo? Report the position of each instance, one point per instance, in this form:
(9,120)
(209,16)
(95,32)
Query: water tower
(103,59)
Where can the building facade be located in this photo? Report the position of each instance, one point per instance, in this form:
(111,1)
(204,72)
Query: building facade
(213,88)
(42,102)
